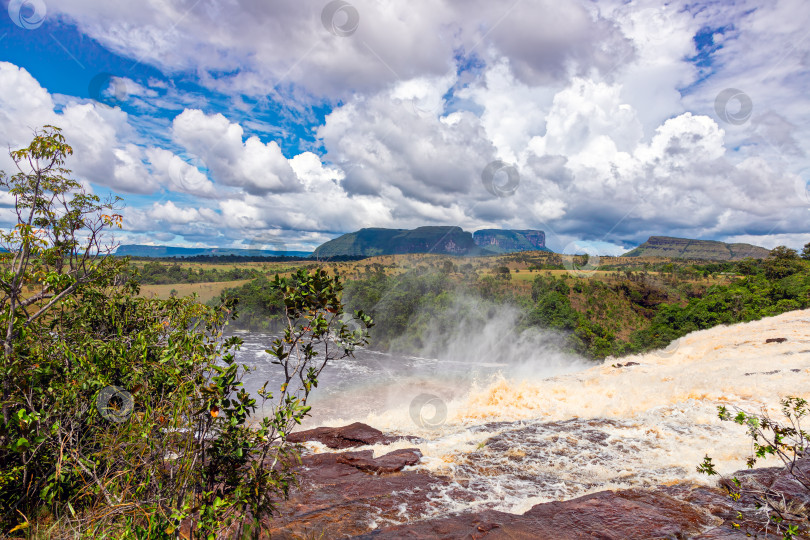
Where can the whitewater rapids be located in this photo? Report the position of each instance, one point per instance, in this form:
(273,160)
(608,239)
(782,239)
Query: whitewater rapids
(513,440)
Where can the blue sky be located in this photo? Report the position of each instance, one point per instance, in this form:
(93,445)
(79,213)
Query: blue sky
(283,124)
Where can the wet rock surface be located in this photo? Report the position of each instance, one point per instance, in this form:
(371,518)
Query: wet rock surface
(352,494)
(620,515)
(345,494)
(389,463)
(338,438)
(628,364)
(683,511)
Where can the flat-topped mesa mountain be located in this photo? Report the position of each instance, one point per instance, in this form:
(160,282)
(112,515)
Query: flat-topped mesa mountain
(377,241)
(686,248)
(510,241)
(433,239)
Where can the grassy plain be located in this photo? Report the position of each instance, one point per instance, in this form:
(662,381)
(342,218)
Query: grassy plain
(523,267)
(205,291)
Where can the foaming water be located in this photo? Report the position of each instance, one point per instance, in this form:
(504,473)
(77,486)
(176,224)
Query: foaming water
(480,345)
(539,427)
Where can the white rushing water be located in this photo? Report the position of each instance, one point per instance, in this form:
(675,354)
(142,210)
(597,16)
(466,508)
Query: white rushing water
(512,432)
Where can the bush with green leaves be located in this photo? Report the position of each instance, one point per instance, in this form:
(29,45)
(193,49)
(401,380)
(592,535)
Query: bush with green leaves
(124,416)
(787,440)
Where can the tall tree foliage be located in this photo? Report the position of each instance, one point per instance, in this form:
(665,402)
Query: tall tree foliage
(57,246)
(125,415)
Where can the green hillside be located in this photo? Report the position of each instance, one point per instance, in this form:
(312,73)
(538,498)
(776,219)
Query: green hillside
(685,248)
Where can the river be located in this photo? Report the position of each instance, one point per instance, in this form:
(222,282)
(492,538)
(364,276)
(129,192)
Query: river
(555,426)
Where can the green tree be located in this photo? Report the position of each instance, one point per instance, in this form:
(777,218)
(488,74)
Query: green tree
(503,272)
(126,416)
(782,261)
(806,252)
(748,267)
(57,247)
(783,253)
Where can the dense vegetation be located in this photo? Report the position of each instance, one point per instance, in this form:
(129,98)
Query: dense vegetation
(261,307)
(124,416)
(627,311)
(155,273)
(747,299)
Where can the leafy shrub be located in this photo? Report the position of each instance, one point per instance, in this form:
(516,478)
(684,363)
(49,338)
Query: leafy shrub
(786,440)
(126,416)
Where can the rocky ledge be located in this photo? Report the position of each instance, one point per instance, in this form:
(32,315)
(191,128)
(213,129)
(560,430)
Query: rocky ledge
(339,438)
(354,495)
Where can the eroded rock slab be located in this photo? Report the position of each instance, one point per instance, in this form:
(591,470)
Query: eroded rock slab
(605,515)
(339,438)
(389,463)
(341,495)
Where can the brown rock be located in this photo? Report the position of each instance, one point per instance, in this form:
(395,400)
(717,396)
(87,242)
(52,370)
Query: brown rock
(628,364)
(337,498)
(776,340)
(350,436)
(389,463)
(726,534)
(606,515)
(353,494)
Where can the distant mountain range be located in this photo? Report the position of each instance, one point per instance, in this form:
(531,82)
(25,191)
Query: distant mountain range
(685,248)
(455,241)
(443,240)
(135,250)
